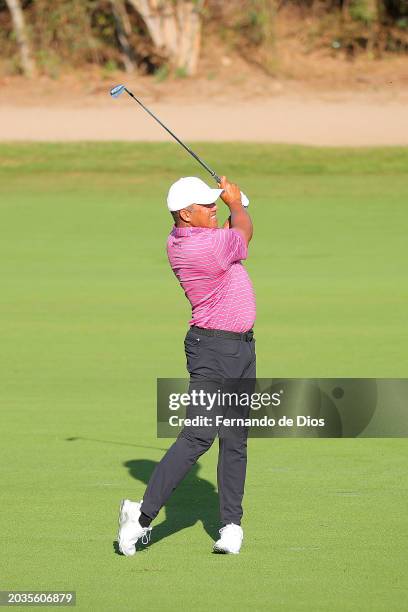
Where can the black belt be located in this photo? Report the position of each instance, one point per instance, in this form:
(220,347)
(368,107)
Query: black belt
(220,333)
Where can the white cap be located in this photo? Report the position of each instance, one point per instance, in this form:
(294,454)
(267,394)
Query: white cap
(190,190)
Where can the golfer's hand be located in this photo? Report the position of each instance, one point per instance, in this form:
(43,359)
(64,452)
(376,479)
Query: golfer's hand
(231,194)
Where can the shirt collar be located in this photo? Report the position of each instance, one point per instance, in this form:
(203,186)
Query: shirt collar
(188,231)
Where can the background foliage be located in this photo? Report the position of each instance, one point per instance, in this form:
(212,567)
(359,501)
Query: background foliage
(82,32)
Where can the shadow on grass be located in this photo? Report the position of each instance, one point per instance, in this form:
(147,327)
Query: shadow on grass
(195,499)
(76,438)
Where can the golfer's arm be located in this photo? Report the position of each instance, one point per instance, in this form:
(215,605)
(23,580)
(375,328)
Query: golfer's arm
(240,221)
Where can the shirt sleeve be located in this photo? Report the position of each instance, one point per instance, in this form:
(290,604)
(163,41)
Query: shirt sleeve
(228,247)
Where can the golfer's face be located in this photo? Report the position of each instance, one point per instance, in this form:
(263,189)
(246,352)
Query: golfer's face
(204,215)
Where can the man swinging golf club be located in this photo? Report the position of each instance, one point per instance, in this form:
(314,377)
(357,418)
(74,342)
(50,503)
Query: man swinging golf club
(219,346)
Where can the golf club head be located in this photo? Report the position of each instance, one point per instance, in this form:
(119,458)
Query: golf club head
(116,91)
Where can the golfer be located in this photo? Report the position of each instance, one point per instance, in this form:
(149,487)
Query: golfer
(219,346)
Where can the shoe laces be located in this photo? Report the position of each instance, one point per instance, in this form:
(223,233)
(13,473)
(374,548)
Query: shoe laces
(146,536)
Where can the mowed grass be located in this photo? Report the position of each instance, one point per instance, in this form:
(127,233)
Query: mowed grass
(91,315)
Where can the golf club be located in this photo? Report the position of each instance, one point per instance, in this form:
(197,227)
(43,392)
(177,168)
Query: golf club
(119,89)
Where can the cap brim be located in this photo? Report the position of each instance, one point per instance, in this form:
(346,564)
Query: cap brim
(210,198)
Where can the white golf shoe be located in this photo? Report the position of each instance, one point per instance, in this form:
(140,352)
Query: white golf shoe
(230,541)
(130,530)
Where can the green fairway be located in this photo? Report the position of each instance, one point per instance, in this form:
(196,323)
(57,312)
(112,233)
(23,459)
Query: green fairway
(91,315)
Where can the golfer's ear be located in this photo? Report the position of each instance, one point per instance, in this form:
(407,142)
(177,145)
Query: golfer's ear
(185,214)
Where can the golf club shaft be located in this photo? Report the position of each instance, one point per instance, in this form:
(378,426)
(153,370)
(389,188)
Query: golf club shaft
(200,161)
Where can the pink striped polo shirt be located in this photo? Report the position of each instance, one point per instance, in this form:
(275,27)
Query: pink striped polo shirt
(207,262)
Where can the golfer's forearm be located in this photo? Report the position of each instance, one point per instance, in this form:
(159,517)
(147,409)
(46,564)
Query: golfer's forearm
(241,221)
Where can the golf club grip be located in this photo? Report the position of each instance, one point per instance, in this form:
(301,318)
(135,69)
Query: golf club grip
(244,199)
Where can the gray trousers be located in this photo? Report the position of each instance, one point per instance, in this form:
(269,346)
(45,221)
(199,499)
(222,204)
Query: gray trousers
(213,362)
